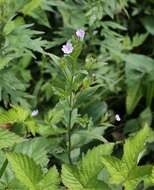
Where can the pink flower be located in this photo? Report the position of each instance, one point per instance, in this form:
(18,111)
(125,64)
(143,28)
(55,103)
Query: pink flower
(67,48)
(80,33)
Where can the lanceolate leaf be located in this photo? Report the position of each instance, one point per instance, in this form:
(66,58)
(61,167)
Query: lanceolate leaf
(25,169)
(8,139)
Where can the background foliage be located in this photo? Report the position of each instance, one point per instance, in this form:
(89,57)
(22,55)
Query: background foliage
(82,121)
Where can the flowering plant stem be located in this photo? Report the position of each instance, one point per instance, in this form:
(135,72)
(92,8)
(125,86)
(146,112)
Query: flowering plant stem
(69,129)
(70,119)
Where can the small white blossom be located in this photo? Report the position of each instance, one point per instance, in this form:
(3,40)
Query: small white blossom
(117,117)
(34,113)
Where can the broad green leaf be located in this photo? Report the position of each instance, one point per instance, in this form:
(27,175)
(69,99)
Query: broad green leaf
(145,117)
(84,176)
(134,125)
(32,5)
(116,168)
(12,89)
(84,136)
(152,176)
(90,166)
(15,184)
(150,93)
(25,169)
(85,95)
(148,24)
(8,138)
(134,146)
(137,175)
(70,178)
(31,126)
(50,181)
(137,40)
(4,61)
(139,72)
(12,24)
(46,130)
(15,114)
(126,171)
(36,148)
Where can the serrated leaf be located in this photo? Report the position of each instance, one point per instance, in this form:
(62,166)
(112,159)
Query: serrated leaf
(116,168)
(70,178)
(84,176)
(126,171)
(30,6)
(134,146)
(15,114)
(50,181)
(25,169)
(137,174)
(8,139)
(36,149)
(90,165)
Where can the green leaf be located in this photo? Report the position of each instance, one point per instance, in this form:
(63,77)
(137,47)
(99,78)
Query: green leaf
(152,175)
(125,171)
(31,147)
(70,178)
(4,61)
(84,136)
(148,24)
(32,5)
(46,130)
(84,176)
(85,95)
(15,114)
(12,88)
(145,117)
(8,139)
(50,181)
(25,169)
(134,95)
(22,41)
(139,72)
(137,175)
(134,146)
(116,168)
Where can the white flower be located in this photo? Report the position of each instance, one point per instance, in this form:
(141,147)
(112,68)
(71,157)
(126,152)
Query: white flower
(34,113)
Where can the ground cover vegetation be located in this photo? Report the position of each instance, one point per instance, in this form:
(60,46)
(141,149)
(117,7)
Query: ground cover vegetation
(76,94)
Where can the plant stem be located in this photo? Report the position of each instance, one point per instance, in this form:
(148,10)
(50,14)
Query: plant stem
(70,122)
(69,131)
(2,170)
